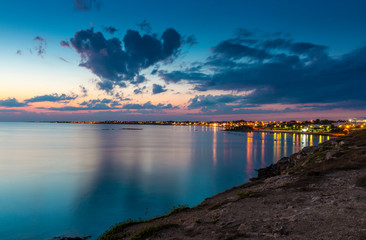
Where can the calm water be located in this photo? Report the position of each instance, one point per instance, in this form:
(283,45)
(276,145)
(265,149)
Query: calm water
(81,179)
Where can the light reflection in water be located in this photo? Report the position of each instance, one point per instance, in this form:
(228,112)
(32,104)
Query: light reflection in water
(274,146)
(285,144)
(214,146)
(311,140)
(278,142)
(60,178)
(263,163)
(249,159)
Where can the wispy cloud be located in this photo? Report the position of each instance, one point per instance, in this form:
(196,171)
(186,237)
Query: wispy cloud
(51,98)
(87,5)
(41,46)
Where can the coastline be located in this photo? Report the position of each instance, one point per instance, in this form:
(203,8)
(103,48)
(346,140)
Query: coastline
(287,131)
(298,198)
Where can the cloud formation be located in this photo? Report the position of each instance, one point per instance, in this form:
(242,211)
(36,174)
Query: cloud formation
(65,43)
(83,90)
(110,30)
(149,106)
(139,90)
(220,104)
(158,89)
(87,5)
(109,104)
(118,62)
(41,46)
(51,98)
(11,102)
(278,69)
(144,26)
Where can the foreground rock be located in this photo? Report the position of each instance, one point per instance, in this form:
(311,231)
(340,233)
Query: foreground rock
(318,193)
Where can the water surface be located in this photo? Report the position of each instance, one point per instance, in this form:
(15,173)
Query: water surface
(80,179)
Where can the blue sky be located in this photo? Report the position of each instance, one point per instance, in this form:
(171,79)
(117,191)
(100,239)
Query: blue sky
(220,75)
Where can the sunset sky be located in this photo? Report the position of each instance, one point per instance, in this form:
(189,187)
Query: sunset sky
(182,60)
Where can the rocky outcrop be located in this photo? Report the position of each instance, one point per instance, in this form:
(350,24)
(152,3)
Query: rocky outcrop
(307,156)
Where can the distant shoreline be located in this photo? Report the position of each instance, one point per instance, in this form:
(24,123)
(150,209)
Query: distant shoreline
(286,131)
(228,130)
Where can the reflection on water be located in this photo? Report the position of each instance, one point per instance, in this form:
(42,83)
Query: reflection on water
(81,179)
(214,145)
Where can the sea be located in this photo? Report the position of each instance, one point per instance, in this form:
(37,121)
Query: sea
(80,179)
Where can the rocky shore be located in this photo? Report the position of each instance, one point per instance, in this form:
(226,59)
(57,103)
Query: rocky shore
(317,193)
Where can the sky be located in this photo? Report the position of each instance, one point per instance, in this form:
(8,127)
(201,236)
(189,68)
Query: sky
(95,60)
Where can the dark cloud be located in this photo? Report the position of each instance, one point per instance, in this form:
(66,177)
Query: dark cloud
(171,42)
(232,111)
(65,43)
(117,65)
(235,50)
(41,46)
(158,89)
(51,98)
(11,111)
(87,5)
(191,40)
(139,90)
(154,71)
(120,97)
(90,105)
(97,104)
(220,103)
(149,106)
(98,107)
(110,30)
(237,104)
(192,77)
(277,69)
(138,79)
(11,102)
(83,90)
(108,104)
(144,26)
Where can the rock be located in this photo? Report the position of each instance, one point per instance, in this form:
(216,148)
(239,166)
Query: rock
(242,228)
(329,155)
(62,237)
(190,227)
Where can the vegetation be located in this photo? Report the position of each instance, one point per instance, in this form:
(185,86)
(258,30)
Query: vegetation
(245,194)
(178,209)
(149,231)
(114,231)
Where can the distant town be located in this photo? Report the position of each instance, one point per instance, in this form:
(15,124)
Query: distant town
(311,126)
